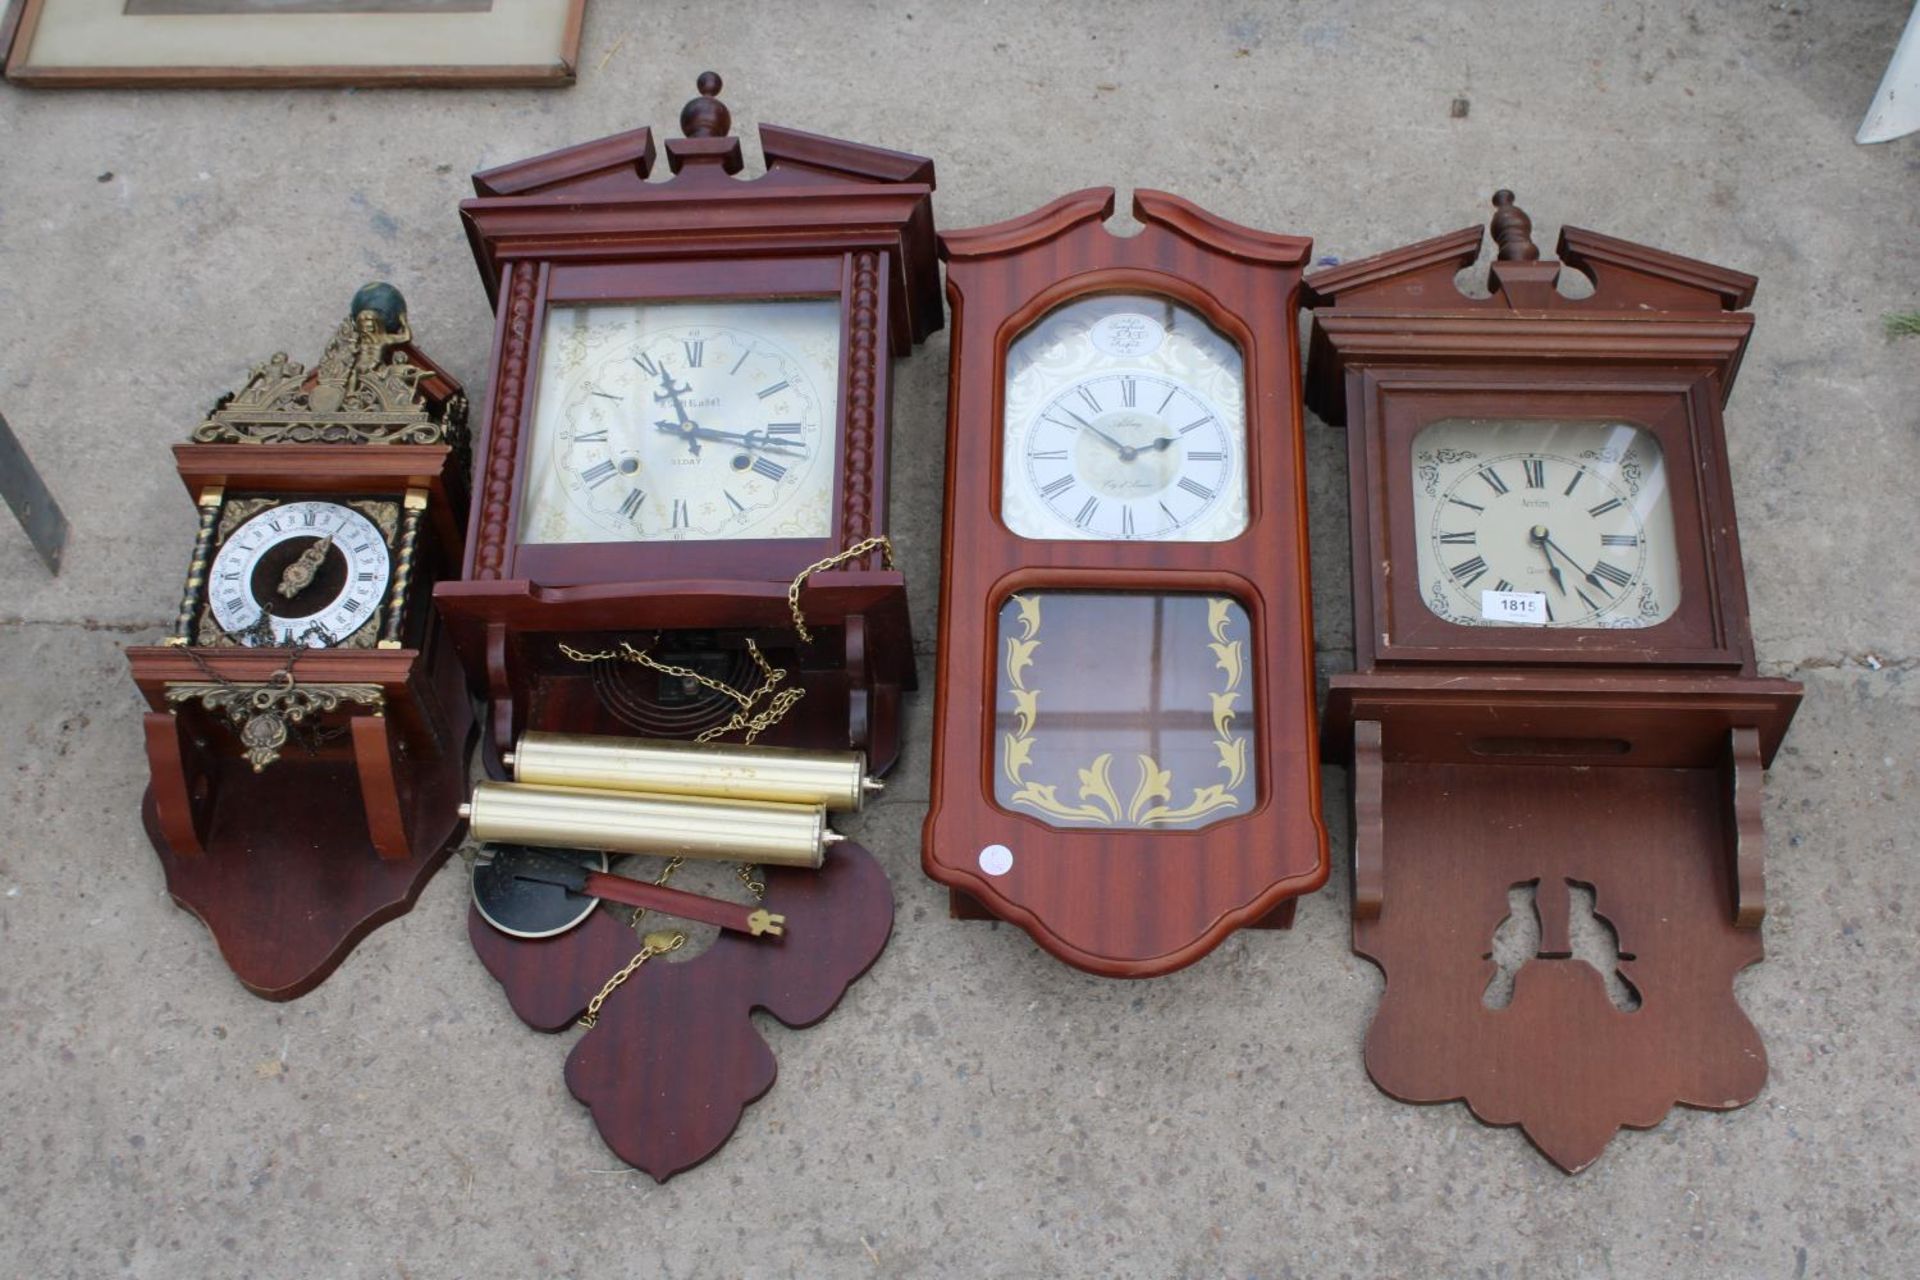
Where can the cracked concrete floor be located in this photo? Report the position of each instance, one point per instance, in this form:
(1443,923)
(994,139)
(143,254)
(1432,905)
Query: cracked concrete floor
(973,1108)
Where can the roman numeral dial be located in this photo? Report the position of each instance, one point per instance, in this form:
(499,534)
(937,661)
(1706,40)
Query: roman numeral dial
(311,573)
(686,421)
(1125,420)
(1578,513)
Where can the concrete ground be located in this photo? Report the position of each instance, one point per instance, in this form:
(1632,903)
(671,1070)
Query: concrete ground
(974,1108)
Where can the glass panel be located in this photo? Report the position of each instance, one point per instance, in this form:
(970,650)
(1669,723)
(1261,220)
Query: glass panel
(1544,522)
(1125,419)
(685,420)
(1130,710)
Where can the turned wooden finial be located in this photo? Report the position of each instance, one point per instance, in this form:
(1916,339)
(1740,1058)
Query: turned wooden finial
(1512,229)
(706,116)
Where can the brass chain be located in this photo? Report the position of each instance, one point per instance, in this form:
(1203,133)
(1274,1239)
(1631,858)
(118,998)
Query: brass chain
(648,952)
(260,635)
(881,542)
(755,723)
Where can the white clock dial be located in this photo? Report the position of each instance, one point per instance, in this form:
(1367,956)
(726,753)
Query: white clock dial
(1125,420)
(318,571)
(1573,518)
(685,421)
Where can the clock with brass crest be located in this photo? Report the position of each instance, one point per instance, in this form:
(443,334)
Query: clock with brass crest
(1556,726)
(307,725)
(1124,758)
(688,415)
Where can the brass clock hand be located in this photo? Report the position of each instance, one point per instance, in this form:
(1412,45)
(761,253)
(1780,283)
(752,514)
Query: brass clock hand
(298,576)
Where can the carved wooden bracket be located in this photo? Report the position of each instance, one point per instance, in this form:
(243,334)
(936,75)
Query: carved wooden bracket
(674,1060)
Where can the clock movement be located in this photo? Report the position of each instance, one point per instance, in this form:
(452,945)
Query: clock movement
(689,412)
(1554,719)
(1124,758)
(307,723)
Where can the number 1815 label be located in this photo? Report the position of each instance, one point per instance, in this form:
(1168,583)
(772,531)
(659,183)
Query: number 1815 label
(1513,606)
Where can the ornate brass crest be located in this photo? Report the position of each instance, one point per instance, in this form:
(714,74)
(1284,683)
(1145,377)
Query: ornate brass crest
(263,713)
(364,391)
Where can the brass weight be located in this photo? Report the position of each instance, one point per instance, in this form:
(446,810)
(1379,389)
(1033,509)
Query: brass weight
(836,779)
(779,835)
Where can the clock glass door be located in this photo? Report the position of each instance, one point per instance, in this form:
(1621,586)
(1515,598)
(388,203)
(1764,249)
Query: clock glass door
(1125,420)
(1124,709)
(1549,523)
(664,421)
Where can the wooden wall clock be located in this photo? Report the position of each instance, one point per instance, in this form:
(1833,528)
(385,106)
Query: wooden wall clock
(690,399)
(1124,748)
(1555,695)
(307,724)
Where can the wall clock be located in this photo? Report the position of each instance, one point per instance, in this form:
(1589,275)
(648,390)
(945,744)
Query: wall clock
(1555,720)
(690,406)
(307,728)
(1124,759)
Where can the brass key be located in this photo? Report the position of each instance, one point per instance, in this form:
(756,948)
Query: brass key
(764,921)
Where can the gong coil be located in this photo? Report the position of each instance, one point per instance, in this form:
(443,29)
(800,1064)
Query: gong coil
(836,779)
(781,835)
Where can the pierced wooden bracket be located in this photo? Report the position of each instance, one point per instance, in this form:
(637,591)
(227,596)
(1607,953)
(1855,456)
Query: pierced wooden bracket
(1746,830)
(675,1059)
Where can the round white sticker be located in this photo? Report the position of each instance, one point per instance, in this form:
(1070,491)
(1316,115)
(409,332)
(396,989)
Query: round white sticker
(1128,333)
(996,859)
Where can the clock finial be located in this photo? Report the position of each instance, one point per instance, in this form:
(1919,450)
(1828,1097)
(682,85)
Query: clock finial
(706,116)
(1512,229)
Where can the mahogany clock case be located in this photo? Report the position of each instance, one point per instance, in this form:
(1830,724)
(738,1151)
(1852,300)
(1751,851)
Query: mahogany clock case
(1622,761)
(828,219)
(1116,901)
(291,862)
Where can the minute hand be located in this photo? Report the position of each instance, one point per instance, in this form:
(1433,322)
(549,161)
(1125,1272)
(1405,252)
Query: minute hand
(1590,576)
(745,439)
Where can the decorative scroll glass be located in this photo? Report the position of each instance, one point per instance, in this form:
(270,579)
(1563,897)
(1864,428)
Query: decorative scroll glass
(1544,522)
(1124,709)
(1125,420)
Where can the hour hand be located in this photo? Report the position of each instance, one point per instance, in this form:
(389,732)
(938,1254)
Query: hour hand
(298,576)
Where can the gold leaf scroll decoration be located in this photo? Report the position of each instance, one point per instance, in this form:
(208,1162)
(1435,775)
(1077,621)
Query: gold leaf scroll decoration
(1101,805)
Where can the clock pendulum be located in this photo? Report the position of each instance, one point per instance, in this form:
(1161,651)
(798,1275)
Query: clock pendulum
(536,893)
(1554,691)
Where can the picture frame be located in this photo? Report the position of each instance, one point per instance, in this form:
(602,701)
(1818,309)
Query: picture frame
(89,44)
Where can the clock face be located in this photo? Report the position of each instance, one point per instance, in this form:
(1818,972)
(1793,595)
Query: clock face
(1544,522)
(1125,420)
(317,572)
(685,421)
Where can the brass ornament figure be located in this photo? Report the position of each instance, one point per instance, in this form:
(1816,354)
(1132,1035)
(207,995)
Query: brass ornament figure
(363,391)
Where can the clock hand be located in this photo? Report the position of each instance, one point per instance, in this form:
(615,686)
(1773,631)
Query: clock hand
(298,576)
(1538,537)
(693,431)
(683,426)
(1591,577)
(1126,451)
